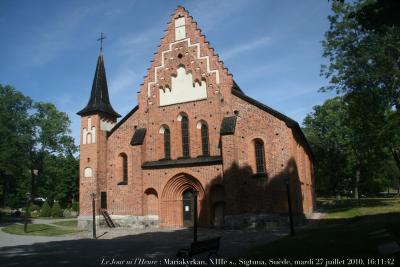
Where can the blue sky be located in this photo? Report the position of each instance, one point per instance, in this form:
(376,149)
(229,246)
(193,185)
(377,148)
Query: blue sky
(273,49)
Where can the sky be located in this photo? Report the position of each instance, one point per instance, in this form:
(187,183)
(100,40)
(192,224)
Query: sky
(49,49)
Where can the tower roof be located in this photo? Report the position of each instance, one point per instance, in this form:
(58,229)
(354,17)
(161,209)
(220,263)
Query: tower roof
(99,101)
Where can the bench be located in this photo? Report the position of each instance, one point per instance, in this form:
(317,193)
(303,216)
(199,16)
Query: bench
(209,245)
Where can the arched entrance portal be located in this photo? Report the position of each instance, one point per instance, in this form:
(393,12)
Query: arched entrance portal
(177,201)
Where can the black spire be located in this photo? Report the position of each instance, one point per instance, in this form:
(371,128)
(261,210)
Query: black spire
(99,100)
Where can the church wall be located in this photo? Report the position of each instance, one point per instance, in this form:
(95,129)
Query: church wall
(88,160)
(124,199)
(268,193)
(235,186)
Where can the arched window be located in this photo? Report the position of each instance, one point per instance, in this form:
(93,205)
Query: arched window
(204,139)
(89,138)
(260,158)
(123,169)
(185,136)
(167,144)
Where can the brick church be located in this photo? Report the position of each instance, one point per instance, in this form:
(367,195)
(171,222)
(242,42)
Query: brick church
(194,130)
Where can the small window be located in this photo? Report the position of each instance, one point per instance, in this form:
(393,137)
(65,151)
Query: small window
(185,136)
(88,172)
(260,158)
(204,139)
(167,144)
(123,169)
(103,203)
(89,138)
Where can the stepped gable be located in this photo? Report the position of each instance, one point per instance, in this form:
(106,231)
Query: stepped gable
(184,46)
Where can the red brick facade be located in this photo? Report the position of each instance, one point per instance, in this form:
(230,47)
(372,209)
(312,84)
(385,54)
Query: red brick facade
(226,178)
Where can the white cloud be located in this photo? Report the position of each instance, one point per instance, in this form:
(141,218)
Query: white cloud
(124,80)
(236,50)
(211,13)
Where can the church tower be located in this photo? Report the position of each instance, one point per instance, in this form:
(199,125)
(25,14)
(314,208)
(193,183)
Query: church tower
(97,118)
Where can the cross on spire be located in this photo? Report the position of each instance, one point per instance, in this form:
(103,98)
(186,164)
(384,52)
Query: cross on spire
(102,37)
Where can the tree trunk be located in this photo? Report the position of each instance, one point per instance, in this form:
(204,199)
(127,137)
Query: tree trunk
(396,156)
(398,187)
(33,182)
(357,181)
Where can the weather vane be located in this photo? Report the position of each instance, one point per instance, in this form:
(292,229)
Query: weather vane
(102,37)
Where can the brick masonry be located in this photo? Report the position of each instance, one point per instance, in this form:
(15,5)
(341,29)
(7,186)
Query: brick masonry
(226,189)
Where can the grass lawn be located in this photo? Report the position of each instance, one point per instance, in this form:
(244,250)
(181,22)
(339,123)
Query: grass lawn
(38,230)
(69,223)
(344,232)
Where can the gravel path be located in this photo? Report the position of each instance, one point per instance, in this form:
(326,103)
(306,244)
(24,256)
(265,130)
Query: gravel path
(119,244)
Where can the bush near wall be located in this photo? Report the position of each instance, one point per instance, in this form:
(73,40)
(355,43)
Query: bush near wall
(75,206)
(46,210)
(56,210)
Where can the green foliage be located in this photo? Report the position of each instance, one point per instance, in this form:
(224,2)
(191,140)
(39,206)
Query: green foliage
(359,58)
(344,141)
(355,137)
(46,210)
(56,210)
(14,140)
(35,136)
(328,136)
(75,206)
(34,207)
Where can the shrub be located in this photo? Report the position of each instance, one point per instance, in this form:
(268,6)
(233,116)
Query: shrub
(34,207)
(67,213)
(75,206)
(46,210)
(56,210)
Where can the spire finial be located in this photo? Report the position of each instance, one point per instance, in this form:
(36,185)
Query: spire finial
(102,37)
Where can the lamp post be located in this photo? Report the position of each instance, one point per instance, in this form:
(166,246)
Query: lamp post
(28,200)
(28,197)
(195,194)
(287,181)
(93,195)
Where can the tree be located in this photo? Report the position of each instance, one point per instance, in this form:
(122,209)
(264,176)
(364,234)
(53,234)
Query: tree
(50,136)
(329,138)
(35,136)
(14,140)
(359,57)
(348,146)
(363,49)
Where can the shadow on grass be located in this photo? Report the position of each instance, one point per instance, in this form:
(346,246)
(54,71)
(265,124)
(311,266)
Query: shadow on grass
(38,230)
(9,220)
(335,238)
(333,205)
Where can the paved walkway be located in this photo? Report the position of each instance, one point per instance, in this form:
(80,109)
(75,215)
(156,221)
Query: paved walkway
(118,244)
